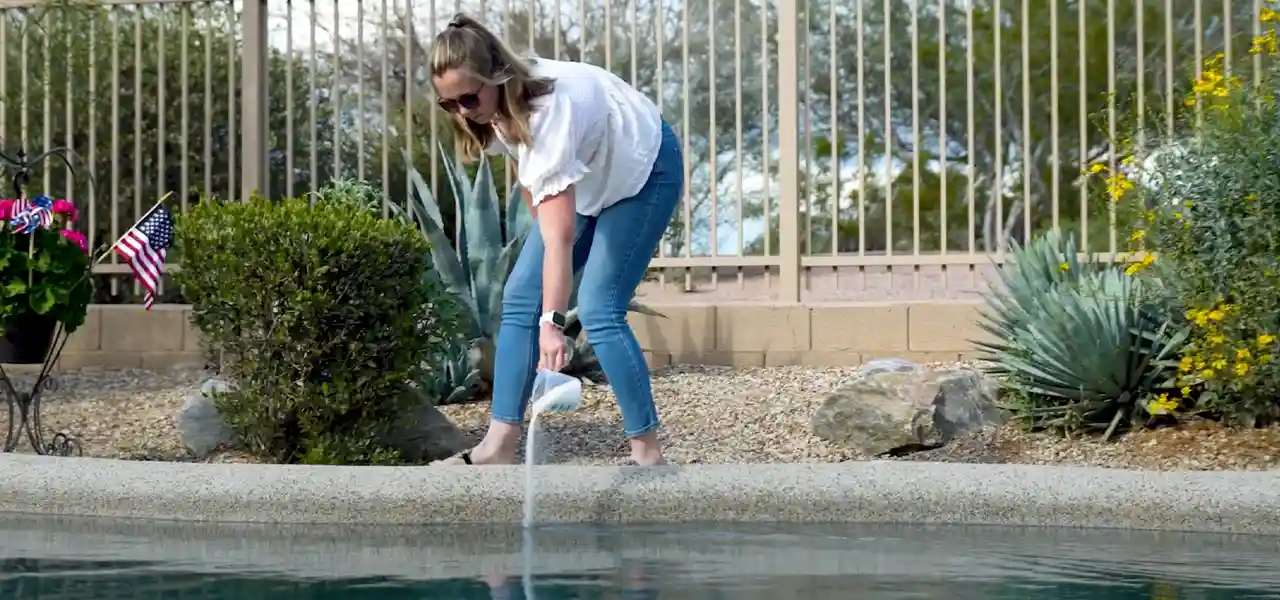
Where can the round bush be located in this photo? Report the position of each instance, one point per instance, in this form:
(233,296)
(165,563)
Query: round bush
(323,315)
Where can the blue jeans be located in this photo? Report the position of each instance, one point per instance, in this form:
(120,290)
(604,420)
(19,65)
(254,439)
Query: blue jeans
(612,252)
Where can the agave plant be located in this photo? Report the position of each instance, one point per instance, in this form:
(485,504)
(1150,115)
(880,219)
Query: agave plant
(475,271)
(1080,342)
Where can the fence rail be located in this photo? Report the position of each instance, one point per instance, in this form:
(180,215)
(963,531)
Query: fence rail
(870,150)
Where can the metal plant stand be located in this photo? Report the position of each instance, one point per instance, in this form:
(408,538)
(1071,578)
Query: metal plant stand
(24,409)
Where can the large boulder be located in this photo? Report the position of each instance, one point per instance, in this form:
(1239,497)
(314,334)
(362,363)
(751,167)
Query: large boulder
(199,425)
(424,434)
(893,404)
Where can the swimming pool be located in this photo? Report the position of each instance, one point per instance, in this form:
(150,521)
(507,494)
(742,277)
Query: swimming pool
(76,559)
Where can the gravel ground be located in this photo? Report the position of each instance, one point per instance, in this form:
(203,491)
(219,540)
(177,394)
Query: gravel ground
(710,415)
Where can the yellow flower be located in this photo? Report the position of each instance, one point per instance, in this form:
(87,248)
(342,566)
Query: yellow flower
(1118,185)
(1206,374)
(1219,364)
(1268,15)
(1185,365)
(1265,339)
(1215,315)
(1162,405)
(1185,391)
(1064,267)
(1097,168)
(1265,42)
(1137,235)
(1243,354)
(1251,197)
(1242,369)
(1140,264)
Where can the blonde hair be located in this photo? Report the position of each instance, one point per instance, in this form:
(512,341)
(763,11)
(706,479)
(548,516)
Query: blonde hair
(468,45)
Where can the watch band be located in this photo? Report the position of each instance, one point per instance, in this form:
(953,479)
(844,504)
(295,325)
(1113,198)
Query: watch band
(555,318)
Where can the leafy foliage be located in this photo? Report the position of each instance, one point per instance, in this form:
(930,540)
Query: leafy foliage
(44,273)
(325,314)
(1078,341)
(1212,215)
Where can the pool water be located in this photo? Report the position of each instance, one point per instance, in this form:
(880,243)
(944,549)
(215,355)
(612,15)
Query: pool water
(58,559)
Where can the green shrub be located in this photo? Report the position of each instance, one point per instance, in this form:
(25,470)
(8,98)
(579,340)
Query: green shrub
(324,314)
(1212,216)
(1076,341)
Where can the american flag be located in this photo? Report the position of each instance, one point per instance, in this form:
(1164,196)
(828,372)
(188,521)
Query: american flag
(144,246)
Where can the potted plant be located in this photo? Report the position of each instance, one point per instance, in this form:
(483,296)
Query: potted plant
(44,269)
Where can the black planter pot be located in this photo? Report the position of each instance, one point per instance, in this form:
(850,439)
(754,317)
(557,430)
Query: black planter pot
(27,340)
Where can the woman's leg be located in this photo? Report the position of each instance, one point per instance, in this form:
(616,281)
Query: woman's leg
(626,236)
(516,353)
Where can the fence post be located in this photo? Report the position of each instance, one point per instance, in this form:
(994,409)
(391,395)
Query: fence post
(789,153)
(253,99)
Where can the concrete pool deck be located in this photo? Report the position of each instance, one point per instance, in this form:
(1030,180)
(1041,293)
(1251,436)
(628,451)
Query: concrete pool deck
(867,492)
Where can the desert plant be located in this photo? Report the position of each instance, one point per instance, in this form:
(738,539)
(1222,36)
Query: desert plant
(1077,342)
(475,272)
(325,315)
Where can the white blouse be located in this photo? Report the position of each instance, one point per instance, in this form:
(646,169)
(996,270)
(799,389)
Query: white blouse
(594,132)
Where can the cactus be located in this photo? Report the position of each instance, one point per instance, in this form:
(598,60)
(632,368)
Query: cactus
(475,272)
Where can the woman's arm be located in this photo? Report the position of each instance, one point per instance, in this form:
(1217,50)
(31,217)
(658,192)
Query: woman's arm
(557,218)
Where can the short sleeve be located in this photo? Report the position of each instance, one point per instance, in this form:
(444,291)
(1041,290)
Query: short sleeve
(551,163)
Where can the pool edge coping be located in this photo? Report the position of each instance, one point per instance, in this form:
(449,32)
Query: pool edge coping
(1238,502)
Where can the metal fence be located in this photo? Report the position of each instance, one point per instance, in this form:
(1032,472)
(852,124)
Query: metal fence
(835,149)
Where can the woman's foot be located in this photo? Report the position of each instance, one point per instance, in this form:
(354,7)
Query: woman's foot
(646,450)
(497,448)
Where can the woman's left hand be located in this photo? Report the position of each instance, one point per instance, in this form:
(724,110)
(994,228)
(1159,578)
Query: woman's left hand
(553,353)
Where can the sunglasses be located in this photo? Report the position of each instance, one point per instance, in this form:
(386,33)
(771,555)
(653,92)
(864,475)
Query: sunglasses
(468,101)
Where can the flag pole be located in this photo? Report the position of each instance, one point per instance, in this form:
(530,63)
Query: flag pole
(153,208)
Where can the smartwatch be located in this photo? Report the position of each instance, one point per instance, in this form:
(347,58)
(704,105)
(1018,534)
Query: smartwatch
(553,317)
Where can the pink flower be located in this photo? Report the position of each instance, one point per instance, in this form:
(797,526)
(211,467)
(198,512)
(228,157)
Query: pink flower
(66,208)
(77,238)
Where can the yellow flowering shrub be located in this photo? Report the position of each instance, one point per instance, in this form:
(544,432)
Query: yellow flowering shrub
(1209,235)
(1229,366)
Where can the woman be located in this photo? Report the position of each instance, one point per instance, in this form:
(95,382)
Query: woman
(602,174)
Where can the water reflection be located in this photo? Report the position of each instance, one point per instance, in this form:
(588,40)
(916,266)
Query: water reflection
(92,560)
(57,580)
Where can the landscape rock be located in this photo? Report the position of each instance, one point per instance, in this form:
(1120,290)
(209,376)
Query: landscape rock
(894,404)
(888,365)
(425,434)
(199,425)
